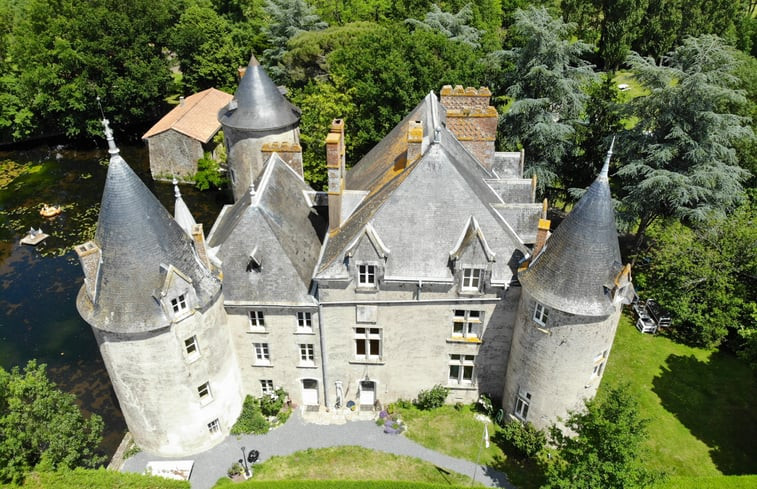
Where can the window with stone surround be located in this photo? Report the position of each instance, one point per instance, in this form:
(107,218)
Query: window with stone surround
(257,320)
(368,343)
(266,386)
(214,427)
(191,347)
(262,355)
(203,391)
(541,313)
(461,369)
(366,275)
(522,403)
(179,304)
(467,324)
(304,322)
(472,279)
(307,354)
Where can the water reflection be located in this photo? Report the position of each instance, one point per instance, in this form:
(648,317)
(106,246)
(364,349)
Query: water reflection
(38,285)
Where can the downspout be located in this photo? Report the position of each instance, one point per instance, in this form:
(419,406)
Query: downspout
(322,340)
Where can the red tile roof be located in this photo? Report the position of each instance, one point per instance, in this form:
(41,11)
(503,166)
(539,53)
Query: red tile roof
(197,117)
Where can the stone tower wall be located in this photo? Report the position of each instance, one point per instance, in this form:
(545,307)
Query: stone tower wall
(156,382)
(555,363)
(245,153)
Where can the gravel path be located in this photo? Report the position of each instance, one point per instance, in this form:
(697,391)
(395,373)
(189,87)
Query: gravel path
(296,435)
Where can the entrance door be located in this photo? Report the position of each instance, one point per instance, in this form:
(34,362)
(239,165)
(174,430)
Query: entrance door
(309,392)
(367,392)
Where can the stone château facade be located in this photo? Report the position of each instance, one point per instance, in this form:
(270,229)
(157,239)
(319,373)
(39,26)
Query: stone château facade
(428,262)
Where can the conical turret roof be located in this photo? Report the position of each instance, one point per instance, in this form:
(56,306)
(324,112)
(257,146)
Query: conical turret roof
(581,258)
(258,105)
(138,239)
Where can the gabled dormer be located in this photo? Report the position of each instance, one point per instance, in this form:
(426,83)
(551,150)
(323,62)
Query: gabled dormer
(471,259)
(366,257)
(177,294)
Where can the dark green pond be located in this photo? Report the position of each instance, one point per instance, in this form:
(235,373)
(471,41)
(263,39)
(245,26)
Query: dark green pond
(38,285)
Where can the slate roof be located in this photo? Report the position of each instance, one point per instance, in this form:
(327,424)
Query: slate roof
(580,258)
(278,227)
(258,105)
(420,212)
(196,117)
(137,235)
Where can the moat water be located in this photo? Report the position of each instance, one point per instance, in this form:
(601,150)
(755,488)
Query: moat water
(38,285)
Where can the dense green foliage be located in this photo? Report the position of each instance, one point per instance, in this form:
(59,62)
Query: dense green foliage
(707,276)
(251,419)
(546,85)
(208,173)
(525,438)
(603,451)
(680,158)
(41,427)
(98,479)
(431,398)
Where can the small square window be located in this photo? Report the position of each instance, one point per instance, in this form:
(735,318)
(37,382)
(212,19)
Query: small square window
(472,278)
(307,354)
(304,322)
(257,320)
(366,275)
(190,346)
(266,386)
(214,426)
(203,391)
(522,403)
(179,304)
(541,314)
(262,355)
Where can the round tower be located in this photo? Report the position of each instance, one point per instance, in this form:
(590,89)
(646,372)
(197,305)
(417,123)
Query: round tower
(258,114)
(568,312)
(157,314)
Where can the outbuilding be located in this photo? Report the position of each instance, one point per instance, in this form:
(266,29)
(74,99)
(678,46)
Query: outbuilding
(183,135)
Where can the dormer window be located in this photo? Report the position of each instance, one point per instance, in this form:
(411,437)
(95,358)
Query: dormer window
(366,275)
(541,314)
(472,278)
(179,304)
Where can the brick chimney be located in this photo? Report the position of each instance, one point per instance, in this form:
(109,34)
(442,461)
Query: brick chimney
(291,153)
(542,232)
(335,160)
(414,142)
(472,120)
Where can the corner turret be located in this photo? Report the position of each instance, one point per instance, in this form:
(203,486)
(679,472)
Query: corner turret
(568,312)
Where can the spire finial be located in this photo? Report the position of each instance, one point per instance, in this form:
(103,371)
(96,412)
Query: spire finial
(176,191)
(112,148)
(254,60)
(252,189)
(606,168)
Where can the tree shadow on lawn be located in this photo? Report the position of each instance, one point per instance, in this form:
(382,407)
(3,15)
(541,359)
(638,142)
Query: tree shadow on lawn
(712,399)
(521,471)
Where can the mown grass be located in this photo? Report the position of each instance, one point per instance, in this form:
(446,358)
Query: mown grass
(698,402)
(354,463)
(332,484)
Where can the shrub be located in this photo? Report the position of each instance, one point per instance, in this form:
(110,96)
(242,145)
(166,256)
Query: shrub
(484,405)
(524,437)
(271,404)
(250,420)
(432,398)
(235,469)
(208,173)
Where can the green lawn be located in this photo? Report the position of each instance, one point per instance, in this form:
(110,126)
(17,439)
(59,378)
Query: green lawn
(353,463)
(699,403)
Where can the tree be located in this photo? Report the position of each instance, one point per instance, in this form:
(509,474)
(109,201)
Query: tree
(546,85)
(679,158)
(287,19)
(621,20)
(42,427)
(454,26)
(707,277)
(208,56)
(65,53)
(604,452)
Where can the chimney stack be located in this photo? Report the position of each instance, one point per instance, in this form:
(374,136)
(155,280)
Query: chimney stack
(90,259)
(472,120)
(542,232)
(335,161)
(414,142)
(291,153)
